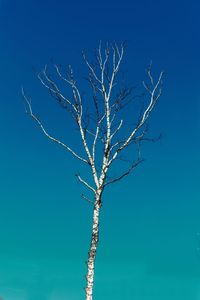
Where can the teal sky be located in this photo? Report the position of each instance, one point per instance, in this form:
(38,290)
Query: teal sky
(150,221)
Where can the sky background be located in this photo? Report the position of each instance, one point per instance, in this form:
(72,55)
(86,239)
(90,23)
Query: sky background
(150,221)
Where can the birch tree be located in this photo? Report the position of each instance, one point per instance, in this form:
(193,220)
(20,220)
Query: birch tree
(103,133)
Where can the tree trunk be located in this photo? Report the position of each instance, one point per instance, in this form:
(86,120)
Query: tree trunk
(93,248)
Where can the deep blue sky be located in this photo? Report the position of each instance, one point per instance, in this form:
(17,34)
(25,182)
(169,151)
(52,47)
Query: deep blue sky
(148,243)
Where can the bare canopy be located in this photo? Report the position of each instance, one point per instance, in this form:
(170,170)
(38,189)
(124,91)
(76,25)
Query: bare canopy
(102,131)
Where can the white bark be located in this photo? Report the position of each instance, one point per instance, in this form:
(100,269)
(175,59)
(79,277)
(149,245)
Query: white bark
(93,248)
(106,106)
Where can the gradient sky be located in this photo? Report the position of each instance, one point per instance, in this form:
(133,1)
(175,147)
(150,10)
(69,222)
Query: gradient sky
(150,221)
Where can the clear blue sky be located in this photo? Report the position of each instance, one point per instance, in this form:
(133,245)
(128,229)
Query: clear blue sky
(148,243)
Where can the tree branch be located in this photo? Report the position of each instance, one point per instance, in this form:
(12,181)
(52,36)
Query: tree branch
(79,122)
(54,90)
(154,95)
(85,183)
(116,130)
(36,119)
(132,167)
(87,199)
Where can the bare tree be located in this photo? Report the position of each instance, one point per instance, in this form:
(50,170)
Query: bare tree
(103,132)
